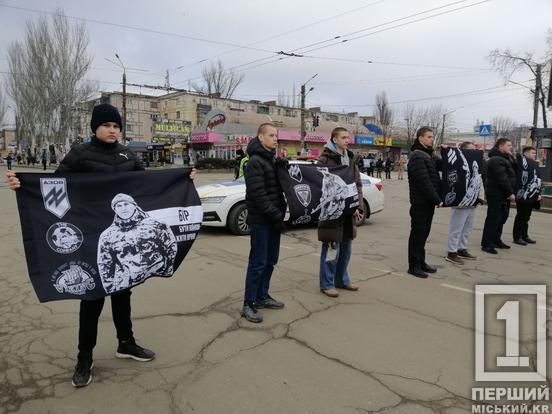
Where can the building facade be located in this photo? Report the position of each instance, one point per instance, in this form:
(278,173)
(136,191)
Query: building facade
(182,125)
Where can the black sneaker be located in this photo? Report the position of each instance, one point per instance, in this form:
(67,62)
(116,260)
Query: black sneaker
(418,272)
(269,303)
(428,268)
(528,240)
(521,242)
(464,254)
(251,314)
(489,249)
(130,349)
(502,245)
(83,371)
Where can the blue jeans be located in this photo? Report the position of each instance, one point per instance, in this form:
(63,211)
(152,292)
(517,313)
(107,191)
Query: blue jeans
(263,256)
(334,273)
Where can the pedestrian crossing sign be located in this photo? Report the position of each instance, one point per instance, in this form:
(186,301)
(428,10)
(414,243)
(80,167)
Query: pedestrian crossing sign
(484,130)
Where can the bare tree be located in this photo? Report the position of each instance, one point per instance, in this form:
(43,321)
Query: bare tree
(3,108)
(218,81)
(47,79)
(438,118)
(507,63)
(503,127)
(383,113)
(414,117)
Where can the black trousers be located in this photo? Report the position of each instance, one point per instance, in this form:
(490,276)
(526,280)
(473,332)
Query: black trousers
(497,214)
(90,311)
(521,222)
(387,174)
(421,217)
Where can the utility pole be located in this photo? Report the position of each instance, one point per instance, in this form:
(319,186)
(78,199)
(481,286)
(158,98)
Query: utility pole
(442,140)
(549,103)
(303,109)
(124,99)
(303,127)
(536,101)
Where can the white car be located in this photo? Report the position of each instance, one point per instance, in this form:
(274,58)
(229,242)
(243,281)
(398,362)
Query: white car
(224,203)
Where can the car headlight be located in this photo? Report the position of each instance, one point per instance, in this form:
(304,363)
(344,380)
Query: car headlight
(216,199)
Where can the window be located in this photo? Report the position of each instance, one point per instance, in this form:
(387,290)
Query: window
(153,105)
(166,115)
(129,127)
(263,109)
(177,114)
(279,111)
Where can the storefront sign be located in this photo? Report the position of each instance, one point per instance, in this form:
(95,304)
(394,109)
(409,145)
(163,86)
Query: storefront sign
(218,118)
(364,140)
(314,137)
(171,128)
(289,135)
(205,137)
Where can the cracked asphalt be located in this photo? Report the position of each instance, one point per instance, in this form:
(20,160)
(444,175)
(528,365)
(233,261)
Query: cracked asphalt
(398,345)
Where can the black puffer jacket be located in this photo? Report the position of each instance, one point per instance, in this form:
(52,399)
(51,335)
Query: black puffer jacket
(423,178)
(343,228)
(98,156)
(500,177)
(264,196)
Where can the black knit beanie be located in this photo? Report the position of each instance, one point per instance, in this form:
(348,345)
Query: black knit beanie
(105,113)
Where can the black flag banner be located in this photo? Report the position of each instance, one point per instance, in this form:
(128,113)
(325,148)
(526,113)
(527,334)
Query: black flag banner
(87,236)
(528,179)
(315,192)
(461,179)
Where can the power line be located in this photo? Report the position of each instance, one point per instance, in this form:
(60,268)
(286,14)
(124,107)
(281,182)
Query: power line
(284,55)
(494,89)
(400,25)
(284,33)
(141,29)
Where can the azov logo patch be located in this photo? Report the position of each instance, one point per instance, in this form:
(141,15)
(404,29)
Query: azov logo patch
(54,193)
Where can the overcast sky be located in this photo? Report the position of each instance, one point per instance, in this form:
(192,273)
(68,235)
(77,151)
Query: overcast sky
(437,57)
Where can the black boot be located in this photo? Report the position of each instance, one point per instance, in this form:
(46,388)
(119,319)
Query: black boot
(428,268)
(521,242)
(529,240)
(418,272)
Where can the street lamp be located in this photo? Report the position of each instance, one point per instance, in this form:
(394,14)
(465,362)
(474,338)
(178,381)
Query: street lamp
(303,127)
(443,126)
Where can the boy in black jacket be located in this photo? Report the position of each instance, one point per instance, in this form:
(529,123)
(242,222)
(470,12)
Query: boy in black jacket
(424,183)
(266,207)
(500,181)
(102,154)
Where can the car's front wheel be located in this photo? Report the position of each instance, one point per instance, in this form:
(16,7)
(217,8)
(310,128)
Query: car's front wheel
(237,220)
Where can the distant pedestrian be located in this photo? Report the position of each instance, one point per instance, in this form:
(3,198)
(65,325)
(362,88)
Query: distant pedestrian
(44,161)
(379,167)
(9,161)
(337,235)
(424,182)
(266,208)
(388,167)
(500,181)
(402,164)
(524,208)
(241,161)
(460,227)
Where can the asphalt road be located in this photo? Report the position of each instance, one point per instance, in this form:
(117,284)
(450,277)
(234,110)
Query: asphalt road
(398,345)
